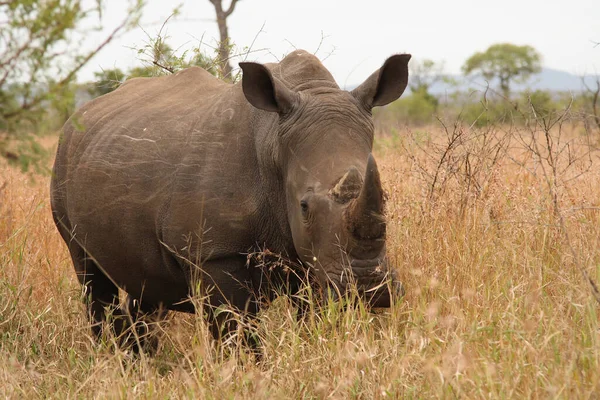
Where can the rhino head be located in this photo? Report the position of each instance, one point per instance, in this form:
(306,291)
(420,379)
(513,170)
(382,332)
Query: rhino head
(321,145)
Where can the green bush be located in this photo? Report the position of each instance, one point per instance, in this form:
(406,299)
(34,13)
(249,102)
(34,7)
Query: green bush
(538,103)
(416,109)
(106,81)
(485,113)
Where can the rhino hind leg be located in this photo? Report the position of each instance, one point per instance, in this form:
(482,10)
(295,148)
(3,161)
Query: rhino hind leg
(104,310)
(102,295)
(133,325)
(98,289)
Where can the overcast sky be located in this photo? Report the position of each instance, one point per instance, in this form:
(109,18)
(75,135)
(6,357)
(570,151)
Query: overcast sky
(359,35)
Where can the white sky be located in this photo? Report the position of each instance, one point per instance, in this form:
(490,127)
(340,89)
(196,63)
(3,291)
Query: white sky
(363,33)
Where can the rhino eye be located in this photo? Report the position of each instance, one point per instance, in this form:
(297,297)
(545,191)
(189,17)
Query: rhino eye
(304,207)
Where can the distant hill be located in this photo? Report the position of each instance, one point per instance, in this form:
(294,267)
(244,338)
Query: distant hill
(549,79)
(556,80)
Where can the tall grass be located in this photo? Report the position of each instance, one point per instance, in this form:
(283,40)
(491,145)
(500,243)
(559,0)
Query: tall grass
(496,305)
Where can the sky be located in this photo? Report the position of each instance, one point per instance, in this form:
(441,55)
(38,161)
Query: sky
(353,38)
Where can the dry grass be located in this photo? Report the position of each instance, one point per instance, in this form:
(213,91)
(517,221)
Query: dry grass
(496,306)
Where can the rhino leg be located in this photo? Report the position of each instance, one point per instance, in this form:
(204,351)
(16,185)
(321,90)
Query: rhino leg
(272,283)
(99,290)
(229,285)
(102,295)
(131,326)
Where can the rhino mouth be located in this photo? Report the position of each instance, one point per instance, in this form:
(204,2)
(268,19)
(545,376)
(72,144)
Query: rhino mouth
(375,282)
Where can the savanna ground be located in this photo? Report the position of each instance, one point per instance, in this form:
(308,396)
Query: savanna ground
(490,230)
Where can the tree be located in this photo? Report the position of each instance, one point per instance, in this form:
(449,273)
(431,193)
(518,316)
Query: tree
(224,44)
(423,75)
(506,62)
(40,57)
(160,59)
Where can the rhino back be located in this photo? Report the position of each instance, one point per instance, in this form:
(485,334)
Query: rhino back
(142,172)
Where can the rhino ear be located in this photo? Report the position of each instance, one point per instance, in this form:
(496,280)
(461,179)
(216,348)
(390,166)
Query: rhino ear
(386,84)
(264,91)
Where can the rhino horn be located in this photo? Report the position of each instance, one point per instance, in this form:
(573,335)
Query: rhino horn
(366,212)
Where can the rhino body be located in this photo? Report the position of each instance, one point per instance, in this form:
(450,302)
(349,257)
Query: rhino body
(171,181)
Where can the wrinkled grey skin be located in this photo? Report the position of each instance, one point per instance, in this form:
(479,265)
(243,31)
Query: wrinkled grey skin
(169,180)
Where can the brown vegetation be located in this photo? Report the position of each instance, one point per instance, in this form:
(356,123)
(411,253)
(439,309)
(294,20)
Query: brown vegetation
(490,229)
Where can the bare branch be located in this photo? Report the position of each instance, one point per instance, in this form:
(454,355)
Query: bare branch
(38,99)
(291,44)
(261,30)
(231,8)
(323,37)
(165,67)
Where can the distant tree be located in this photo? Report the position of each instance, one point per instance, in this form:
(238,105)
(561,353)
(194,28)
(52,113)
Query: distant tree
(506,62)
(106,81)
(423,75)
(225,45)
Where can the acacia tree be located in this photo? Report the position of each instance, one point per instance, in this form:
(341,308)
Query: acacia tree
(110,79)
(159,58)
(506,62)
(225,45)
(39,56)
(41,53)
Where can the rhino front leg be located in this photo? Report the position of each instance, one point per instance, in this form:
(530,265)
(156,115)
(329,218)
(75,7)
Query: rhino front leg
(144,318)
(232,301)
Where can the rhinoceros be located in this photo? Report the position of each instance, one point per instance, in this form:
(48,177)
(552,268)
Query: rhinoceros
(167,184)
